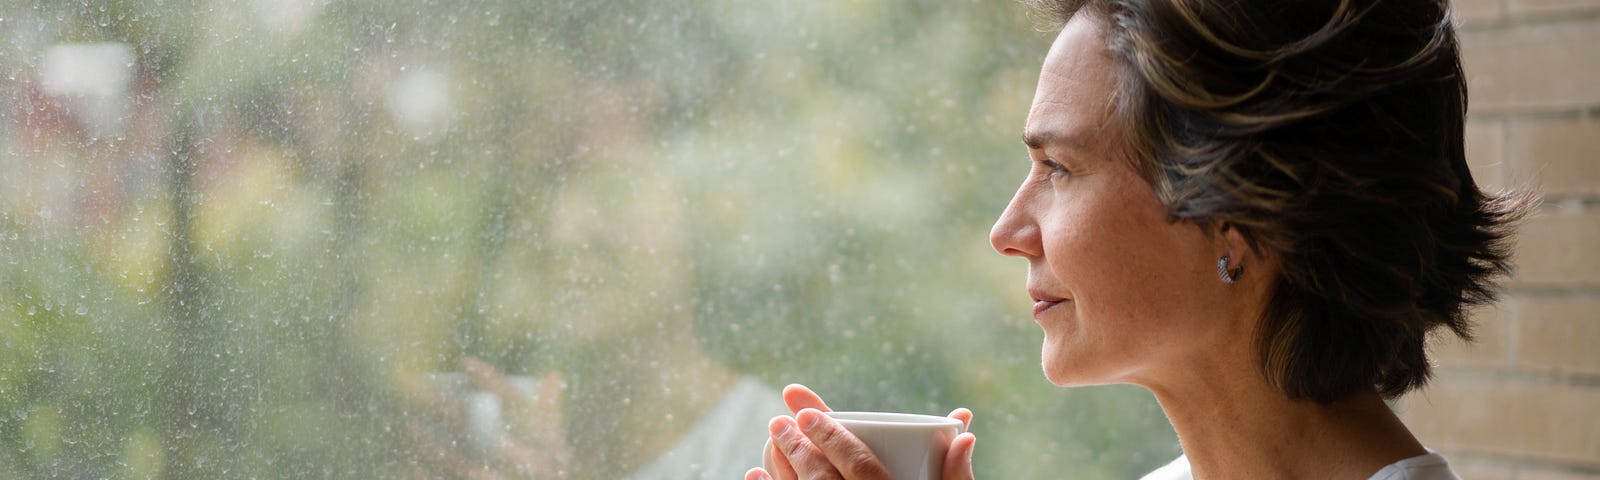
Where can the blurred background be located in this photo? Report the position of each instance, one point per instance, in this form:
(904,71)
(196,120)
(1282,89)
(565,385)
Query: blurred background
(231,231)
(235,236)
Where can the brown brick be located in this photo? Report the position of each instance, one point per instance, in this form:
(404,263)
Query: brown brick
(1561,156)
(1482,473)
(1558,249)
(1488,352)
(1529,421)
(1537,473)
(1477,13)
(1485,153)
(1469,468)
(1559,335)
(1533,68)
(1552,7)
(1426,412)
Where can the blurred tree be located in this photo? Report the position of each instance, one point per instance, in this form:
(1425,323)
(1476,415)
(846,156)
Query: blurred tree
(304,203)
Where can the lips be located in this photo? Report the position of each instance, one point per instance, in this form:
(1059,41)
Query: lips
(1043,302)
(1039,306)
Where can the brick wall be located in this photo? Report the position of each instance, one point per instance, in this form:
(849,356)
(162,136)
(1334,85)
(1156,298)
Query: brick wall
(1523,403)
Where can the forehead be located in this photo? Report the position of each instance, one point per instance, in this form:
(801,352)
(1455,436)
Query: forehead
(1076,84)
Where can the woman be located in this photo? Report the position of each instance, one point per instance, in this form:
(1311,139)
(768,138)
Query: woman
(1257,211)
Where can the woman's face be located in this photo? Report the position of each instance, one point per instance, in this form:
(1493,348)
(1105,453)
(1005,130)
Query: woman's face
(1121,293)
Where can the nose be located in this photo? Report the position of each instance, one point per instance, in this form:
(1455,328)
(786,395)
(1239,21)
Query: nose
(1016,232)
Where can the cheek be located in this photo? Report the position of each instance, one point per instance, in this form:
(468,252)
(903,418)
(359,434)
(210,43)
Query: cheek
(1092,243)
(1124,264)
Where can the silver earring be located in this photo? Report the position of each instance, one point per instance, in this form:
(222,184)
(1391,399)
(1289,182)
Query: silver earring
(1228,277)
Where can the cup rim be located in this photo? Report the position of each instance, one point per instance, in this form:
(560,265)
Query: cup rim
(895,419)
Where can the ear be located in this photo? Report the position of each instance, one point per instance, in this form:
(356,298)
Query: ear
(1245,252)
(1233,242)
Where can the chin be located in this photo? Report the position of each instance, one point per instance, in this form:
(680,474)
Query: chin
(1069,380)
(1066,366)
(1057,379)
(1064,371)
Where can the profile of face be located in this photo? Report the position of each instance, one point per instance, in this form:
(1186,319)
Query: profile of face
(1122,294)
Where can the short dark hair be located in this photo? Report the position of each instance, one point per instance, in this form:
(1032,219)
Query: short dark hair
(1330,134)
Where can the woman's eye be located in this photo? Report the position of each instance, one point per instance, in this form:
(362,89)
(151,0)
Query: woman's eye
(1052,166)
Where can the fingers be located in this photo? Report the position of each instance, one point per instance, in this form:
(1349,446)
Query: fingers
(964,415)
(813,445)
(807,461)
(798,398)
(958,460)
(776,463)
(848,454)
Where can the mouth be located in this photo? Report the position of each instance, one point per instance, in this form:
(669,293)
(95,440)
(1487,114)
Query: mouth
(1043,302)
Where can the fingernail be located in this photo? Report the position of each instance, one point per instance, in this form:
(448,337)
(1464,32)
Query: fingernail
(779,427)
(809,419)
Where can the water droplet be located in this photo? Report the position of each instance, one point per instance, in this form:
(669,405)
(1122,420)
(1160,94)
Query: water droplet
(82,310)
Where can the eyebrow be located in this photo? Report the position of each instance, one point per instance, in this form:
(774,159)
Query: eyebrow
(1036,139)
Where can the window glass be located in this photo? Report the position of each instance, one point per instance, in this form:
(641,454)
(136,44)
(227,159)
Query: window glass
(303,238)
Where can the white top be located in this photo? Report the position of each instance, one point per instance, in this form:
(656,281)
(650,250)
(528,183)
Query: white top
(1430,466)
(725,442)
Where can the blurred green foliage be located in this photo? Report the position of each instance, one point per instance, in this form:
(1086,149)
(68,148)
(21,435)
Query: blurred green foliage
(301,201)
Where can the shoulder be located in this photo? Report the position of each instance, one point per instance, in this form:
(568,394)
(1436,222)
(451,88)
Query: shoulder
(1431,466)
(1178,469)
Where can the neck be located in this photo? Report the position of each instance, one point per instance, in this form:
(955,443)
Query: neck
(1239,426)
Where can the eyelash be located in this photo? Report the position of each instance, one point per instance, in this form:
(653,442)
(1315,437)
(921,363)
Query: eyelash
(1053,166)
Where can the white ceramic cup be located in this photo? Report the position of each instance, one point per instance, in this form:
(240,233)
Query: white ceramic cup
(911,446)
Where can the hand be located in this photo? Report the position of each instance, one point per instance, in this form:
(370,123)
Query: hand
(533,444)
(812,445)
